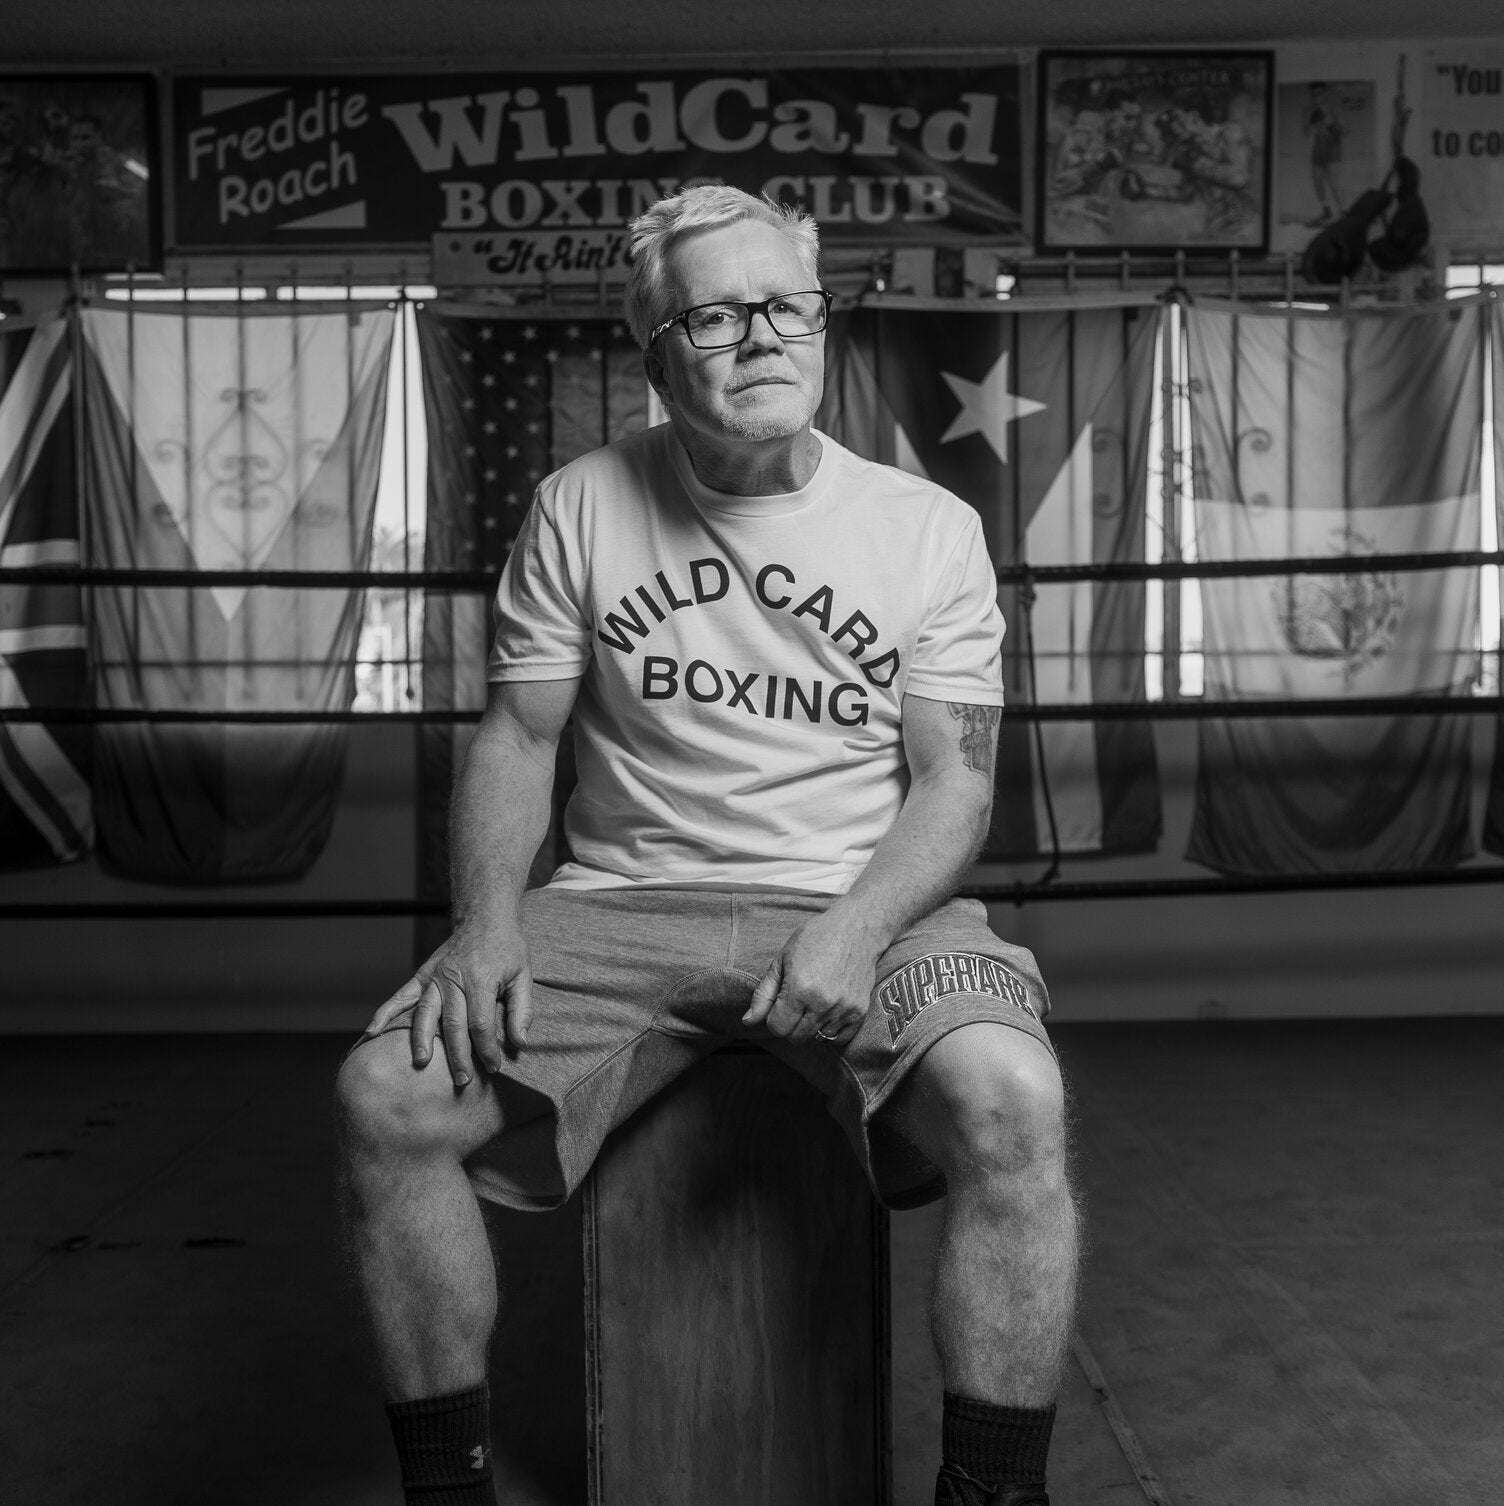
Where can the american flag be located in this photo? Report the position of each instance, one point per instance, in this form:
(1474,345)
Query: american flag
(45,811)
(508,400)
(509,396)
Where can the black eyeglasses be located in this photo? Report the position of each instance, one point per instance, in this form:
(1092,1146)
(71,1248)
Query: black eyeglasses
(712,326)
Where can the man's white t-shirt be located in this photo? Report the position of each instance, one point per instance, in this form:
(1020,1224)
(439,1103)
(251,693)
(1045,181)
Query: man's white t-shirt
(744,659)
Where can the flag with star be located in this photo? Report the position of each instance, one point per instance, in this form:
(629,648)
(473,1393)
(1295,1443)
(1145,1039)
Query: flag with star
(45,810)
(1039,418)
(509,396)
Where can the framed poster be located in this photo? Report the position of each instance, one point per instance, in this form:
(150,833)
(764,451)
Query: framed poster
(1153,151)
(78,173)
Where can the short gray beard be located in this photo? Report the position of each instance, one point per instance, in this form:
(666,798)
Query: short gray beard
(753,428)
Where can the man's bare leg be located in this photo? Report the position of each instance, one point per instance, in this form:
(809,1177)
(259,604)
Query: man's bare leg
(1003,1299)
(987,1106)
(418,1249)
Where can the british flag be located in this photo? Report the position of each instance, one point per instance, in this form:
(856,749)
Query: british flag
(45,810)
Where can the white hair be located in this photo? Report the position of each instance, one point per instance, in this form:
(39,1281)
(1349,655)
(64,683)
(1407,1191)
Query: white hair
(705,207)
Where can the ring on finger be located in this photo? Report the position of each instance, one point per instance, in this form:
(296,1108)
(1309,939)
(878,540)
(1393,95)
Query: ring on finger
(830,1040)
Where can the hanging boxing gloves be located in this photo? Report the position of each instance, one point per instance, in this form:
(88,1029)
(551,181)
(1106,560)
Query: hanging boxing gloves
(1408,228)
(1338,251)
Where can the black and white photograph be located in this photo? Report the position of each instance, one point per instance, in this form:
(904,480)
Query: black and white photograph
(78,176)
(751,756)
(1327,151)
(1153,151)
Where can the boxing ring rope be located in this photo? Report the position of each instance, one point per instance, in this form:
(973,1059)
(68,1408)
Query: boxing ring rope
(483,582)
(1102,711)
(1018,894)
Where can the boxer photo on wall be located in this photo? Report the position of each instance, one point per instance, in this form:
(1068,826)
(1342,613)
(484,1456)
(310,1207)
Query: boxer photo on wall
(1153,151)
(78,173)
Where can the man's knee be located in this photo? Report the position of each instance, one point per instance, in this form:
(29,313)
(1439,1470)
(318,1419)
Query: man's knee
(388,1106)
(993,1103)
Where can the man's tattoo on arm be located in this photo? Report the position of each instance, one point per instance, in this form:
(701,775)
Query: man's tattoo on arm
(978,725)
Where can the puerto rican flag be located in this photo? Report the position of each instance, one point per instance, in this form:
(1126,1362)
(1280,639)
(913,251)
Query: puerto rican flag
(1038,416)
(45,809)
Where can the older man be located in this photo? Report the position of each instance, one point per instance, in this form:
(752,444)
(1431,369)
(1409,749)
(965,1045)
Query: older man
(783,666)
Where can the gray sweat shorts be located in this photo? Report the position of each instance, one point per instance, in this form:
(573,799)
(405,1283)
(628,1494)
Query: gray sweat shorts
(632,986)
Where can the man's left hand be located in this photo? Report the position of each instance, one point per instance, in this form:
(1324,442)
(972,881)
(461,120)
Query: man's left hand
(820,983)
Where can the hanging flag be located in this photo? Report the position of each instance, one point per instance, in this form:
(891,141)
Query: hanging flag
(1039,418)
(1323,434)
(508,399)
(245,438)
(45,814)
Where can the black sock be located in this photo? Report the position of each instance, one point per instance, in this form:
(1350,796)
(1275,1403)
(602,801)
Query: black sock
(444,1448)
(996,1445)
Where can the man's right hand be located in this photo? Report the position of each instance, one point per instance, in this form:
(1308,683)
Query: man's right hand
(476,983)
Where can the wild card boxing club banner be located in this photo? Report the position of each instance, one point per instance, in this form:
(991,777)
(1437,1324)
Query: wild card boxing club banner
(892,155)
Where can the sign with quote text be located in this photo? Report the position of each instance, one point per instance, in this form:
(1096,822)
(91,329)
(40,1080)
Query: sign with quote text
(1459,146)
(882,156)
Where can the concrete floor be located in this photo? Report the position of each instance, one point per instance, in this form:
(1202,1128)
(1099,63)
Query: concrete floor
(1294,1292)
